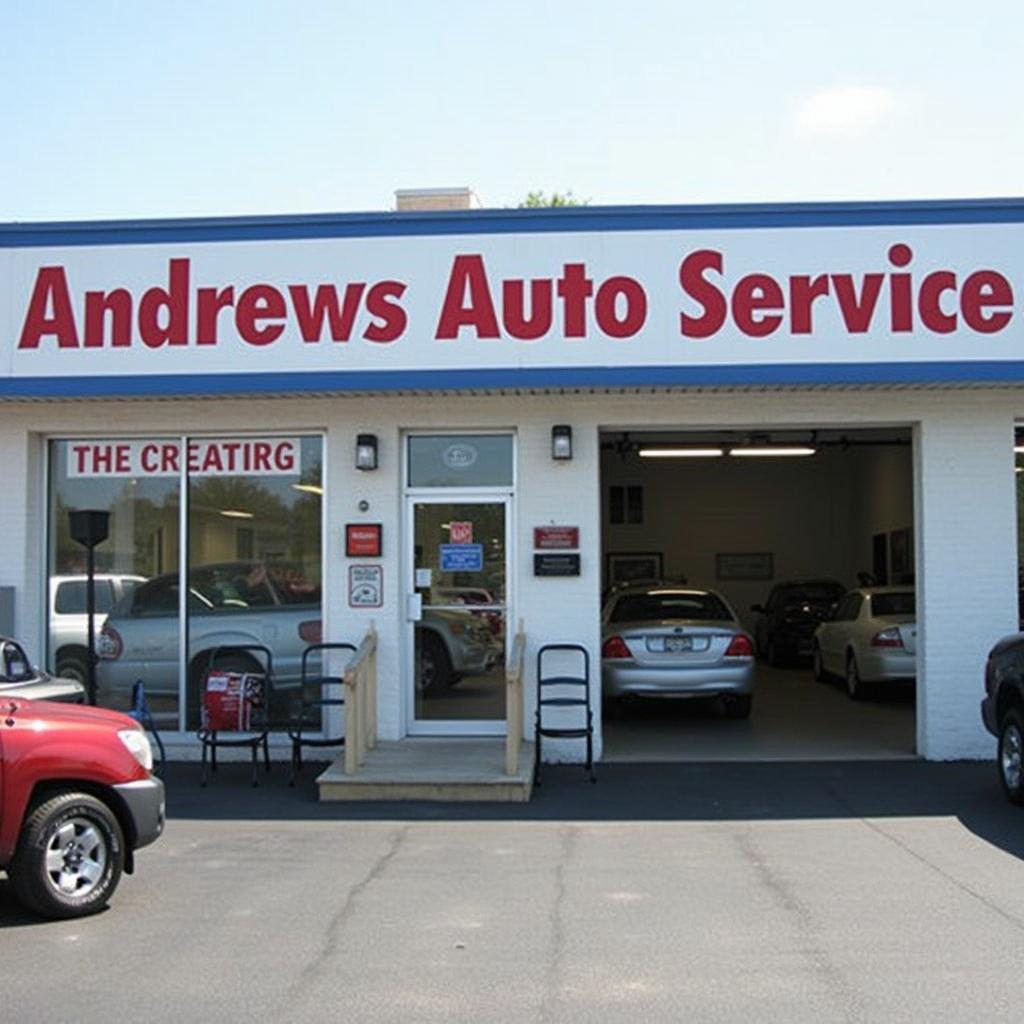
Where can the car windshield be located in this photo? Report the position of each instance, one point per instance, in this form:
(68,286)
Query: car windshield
(820,592)
(893,604)
(670,604)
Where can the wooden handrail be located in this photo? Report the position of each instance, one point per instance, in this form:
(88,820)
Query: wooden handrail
(360,680)
(514,701)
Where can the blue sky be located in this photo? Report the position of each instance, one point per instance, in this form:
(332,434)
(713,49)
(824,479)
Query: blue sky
(144,109)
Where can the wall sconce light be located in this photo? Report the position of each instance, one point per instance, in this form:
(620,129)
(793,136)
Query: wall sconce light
(366,451)
(561,442)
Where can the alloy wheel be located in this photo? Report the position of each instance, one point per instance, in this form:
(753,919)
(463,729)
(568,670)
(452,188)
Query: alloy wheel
(76,857)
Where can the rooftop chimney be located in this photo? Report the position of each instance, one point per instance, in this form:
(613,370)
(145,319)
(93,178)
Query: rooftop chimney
(436,199)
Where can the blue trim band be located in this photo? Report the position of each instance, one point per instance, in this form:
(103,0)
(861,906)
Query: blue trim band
(485,222)
(185,385)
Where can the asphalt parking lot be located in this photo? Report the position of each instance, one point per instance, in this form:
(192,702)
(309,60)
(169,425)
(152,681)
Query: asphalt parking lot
(872,891)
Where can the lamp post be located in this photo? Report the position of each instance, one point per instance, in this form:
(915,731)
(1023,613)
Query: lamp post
(90,527)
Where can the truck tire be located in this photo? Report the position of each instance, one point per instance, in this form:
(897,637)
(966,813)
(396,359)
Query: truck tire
(69,858)
(1010,758)
(435,667)
(73,664)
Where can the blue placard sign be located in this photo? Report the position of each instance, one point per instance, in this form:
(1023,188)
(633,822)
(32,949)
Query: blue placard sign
(462,557)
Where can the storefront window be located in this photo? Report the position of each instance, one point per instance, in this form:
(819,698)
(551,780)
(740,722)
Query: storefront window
(144,508)
(253,565)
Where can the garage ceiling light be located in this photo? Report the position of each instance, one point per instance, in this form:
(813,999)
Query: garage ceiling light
(768,452)
(680,453)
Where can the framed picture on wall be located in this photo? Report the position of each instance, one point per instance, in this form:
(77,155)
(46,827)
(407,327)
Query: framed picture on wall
(745,565)
(625,567)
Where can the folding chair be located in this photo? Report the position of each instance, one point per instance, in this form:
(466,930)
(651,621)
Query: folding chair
(257,734)
(564,691)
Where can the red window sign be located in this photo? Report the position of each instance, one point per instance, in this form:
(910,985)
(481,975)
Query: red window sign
(461,533)
(549,538)
(363,540)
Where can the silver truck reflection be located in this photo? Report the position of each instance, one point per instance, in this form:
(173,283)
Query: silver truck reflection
(234,604)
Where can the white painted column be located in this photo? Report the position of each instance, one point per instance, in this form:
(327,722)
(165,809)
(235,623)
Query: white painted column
(966,550)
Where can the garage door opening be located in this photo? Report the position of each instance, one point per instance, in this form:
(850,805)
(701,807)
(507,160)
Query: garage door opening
(797,533)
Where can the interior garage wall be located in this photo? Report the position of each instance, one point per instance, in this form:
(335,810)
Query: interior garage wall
(882,498)
(815,516)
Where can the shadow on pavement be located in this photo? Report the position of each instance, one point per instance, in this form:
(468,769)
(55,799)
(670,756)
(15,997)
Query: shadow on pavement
(733,791)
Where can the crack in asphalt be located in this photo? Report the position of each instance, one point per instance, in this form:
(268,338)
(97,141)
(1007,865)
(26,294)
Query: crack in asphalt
(835,982)
(554,975)
(840,797)
(335,927)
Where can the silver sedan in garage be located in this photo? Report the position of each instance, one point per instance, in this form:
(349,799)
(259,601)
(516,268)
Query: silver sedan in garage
(666,640)
(871,638)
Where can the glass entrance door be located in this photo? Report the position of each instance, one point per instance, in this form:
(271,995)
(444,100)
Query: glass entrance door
(458,612)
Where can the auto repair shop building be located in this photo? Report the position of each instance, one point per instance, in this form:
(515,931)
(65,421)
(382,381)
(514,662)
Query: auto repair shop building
(427,419)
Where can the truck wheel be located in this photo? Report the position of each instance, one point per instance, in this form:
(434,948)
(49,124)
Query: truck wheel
(73,666)
(69,857)
(739,706)
(1011,755)
(435,665)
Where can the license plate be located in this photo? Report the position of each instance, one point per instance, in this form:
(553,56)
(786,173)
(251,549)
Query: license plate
(674,644)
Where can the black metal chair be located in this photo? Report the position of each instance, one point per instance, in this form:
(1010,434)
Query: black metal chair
(316,692)
(258,734)
(564,691)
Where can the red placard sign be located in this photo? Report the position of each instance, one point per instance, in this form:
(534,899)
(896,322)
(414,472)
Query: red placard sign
(461,533)
(362,540)
(556,538)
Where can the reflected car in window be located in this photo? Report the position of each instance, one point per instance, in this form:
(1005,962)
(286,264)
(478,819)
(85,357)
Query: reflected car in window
(675,642)
(871,639)
(19,678)
(229,603)
(69,619)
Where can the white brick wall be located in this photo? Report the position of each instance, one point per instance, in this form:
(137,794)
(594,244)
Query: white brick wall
(966,514)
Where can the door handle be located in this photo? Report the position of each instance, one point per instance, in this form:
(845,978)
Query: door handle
(414,607)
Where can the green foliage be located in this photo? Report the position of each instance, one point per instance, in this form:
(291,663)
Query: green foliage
(539,198)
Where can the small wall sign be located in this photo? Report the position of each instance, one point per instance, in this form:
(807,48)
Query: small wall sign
(460,533)
(545,564)
(549,538)
(462,557)
(365,586)
(363,540)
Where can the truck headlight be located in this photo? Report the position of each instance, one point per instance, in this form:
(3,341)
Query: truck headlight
(138,746)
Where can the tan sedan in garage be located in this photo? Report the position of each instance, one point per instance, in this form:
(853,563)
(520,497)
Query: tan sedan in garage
(871,638)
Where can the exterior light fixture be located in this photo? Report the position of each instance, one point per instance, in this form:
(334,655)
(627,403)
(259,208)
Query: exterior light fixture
(561,442)
(366,451)
(769,451)
(680,453)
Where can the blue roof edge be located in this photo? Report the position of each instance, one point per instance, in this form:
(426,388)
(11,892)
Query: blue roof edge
(506,221)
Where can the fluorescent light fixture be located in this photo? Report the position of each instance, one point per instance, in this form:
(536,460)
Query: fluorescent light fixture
(680,453)
(768,452)
(234,513)
(309,489)
(1020,469)
(1019,449)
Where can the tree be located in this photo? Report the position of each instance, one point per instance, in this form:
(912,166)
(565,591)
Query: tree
(537,199)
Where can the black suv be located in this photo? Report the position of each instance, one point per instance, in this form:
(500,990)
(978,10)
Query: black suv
(1002,711)
(791,615)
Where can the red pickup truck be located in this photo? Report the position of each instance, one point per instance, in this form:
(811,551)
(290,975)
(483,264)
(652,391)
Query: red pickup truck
(77,799)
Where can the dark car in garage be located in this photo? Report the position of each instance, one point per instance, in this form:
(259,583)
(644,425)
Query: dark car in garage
(785,627)
(1002,711)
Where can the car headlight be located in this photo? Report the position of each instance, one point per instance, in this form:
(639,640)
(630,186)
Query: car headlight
(138,746)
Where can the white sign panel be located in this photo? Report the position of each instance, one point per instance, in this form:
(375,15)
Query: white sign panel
(365,586)
(421,309)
